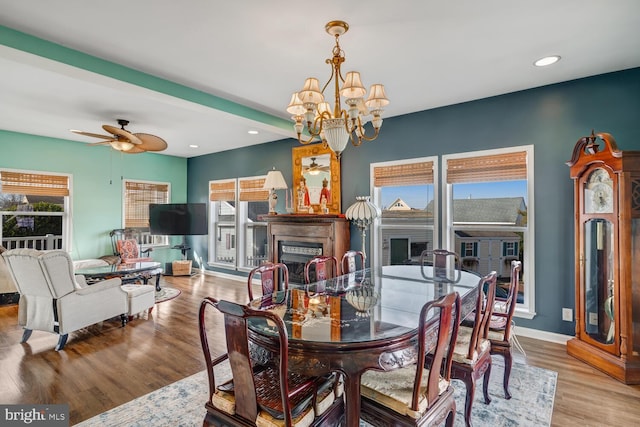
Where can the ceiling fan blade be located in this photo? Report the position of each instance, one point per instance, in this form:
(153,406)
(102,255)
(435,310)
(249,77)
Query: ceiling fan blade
(94,135)
(122,134)
(101,142)
(151,142)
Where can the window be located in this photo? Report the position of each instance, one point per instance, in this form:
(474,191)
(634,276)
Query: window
(240,240)
(487,210)
(405,192)
(510,249)
(35,210)
(138,195)
(222,212)
(469,249)
(253,204)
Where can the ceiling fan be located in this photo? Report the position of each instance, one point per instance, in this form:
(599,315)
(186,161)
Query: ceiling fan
(314,168)
(125,141)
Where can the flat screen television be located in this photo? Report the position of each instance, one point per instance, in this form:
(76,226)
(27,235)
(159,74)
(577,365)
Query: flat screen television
(178,219)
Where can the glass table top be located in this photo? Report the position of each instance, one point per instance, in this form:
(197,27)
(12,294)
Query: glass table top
(368,305)
(119,269)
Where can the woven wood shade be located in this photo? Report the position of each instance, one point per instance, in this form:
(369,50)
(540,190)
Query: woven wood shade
(251,190)
(138,197)
(405,174)
(222,191)
(499,167)
(34,184)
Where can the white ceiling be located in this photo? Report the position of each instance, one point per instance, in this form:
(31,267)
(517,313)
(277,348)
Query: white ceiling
(256,53)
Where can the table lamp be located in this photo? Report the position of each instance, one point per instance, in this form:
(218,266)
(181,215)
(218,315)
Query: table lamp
(362,213)
(274,181)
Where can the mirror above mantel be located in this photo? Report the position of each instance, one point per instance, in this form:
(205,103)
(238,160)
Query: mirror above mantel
(319,169)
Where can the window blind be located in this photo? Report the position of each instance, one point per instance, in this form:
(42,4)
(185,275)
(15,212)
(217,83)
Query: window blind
(222,191)
(404,174)
(251,190)
(498,167)
(138,197)
(34,184)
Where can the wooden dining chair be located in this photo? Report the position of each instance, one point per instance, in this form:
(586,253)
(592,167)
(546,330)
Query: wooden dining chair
(265,394)
(413,395)
(273,277)
(501,325)
(472,351)
(446,265)
(321,265)
(349,263)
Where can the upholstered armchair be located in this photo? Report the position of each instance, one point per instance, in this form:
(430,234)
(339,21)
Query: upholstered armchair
(6,281)
(53,299)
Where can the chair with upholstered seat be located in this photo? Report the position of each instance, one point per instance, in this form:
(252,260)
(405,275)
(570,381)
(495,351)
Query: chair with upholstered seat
(349,261)
(126,246)
(501,325)
(413,395)
(273,277)
(472,352)
(266,394)
(324,267)
(54,299)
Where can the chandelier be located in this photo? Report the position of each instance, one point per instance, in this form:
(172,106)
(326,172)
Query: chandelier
(338,125)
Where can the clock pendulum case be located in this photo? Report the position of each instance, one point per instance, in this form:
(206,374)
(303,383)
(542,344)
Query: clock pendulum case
(607,256)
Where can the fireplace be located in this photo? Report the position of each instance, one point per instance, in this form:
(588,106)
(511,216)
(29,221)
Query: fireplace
(295,255)
(295,239)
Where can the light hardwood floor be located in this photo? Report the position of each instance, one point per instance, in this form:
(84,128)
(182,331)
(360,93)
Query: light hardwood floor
(105,365)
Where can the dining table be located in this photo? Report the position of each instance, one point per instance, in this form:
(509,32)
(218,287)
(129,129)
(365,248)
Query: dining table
(358,321)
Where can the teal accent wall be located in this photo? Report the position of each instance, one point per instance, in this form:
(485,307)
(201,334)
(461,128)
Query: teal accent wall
(551,118)
(97,174)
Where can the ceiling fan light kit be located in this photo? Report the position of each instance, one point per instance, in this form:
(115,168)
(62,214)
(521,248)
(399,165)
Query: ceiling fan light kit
(125,141)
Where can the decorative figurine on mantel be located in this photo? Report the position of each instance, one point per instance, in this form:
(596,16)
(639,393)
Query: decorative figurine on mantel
(303,196)
(323,205)
(325,192)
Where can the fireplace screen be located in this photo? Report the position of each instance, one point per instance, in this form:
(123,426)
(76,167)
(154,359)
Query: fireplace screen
(295,255)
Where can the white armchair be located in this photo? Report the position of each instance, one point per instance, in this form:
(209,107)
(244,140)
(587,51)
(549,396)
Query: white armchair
(54,299)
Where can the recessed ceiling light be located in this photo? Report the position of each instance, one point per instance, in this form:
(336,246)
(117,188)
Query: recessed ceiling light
(253,132)
(193,146)
(547,60)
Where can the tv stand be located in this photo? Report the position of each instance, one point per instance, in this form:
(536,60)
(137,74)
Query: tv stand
(184,248)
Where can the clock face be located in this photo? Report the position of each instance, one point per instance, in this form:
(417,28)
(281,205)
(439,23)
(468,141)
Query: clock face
(598,195)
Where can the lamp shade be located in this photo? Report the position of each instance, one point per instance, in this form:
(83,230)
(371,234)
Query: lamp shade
(274,180)
(362,213)
(362,210)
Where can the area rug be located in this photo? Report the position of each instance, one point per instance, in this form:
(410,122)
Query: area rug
(166,294)
(182,403)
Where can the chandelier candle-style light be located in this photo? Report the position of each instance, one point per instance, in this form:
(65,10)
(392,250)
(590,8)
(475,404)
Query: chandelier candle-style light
(335,127)
(362,213)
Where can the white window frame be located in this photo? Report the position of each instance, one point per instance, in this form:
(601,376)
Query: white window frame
(243,224)
(214,223)
(376,198)
(146,239)
(526,309)
(67,214)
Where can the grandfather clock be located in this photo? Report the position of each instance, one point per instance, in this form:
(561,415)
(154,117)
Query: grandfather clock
(607,256)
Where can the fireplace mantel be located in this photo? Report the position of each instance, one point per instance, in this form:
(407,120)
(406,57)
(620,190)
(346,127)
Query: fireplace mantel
(330,231)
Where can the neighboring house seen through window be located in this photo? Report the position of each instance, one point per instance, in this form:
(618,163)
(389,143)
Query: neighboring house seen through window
(35,210)
(403,191)
(486,212)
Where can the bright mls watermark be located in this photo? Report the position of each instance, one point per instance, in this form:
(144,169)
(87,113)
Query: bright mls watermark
(34,415)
